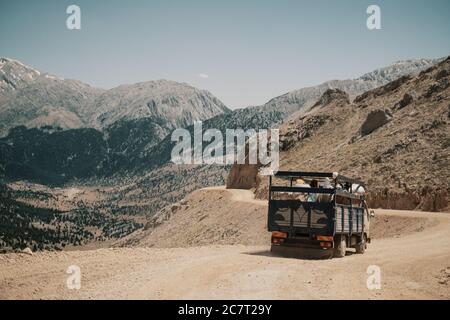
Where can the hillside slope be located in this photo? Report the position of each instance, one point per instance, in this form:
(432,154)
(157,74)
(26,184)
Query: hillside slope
(206,216)
(395,138)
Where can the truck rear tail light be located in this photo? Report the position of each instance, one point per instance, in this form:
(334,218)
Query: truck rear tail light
(326,244)
(277,240)
(278,234)
(325,238)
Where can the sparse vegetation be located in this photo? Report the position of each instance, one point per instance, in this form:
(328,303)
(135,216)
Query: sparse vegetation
(23,225)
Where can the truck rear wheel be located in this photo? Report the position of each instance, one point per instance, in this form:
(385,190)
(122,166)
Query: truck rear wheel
(340,247)
(361,247)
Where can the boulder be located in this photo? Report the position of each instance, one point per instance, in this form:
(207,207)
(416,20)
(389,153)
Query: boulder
(338,96)
(242,176)
(375,119)
(442,74)
(27,251)
(406,100)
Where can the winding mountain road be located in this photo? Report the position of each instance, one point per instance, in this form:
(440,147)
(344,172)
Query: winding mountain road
(413,266)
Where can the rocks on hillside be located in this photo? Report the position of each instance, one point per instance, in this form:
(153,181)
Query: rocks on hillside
(442,74)
(427,199)
(405,101)
(299,130)
(436,88)
(375,119)
(385,89)
(332,95)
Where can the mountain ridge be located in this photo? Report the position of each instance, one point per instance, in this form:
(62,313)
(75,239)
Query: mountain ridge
(299,101)
(74,104)
(32,98)
(130,143)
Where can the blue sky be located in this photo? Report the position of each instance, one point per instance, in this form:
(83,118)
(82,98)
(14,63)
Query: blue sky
(245,52)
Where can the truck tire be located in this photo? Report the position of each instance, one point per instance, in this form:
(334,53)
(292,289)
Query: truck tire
(361,247)
(340,247)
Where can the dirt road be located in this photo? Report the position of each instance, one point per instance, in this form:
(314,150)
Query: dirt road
(240,195)
(413,266)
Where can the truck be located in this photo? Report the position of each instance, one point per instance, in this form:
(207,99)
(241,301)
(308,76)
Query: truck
(323,212)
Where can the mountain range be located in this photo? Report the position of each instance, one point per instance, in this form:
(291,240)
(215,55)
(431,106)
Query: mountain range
(127,128)
(34,99)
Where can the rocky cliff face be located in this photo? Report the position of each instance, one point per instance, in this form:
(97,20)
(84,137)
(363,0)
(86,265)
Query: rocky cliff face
(243,176)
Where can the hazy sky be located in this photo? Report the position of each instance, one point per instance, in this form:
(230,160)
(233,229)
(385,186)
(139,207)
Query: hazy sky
(245,51)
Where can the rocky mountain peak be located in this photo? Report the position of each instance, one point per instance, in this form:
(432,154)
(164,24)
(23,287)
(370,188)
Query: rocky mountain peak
(177,103)
(398,69)
(35,99)
(15,75)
